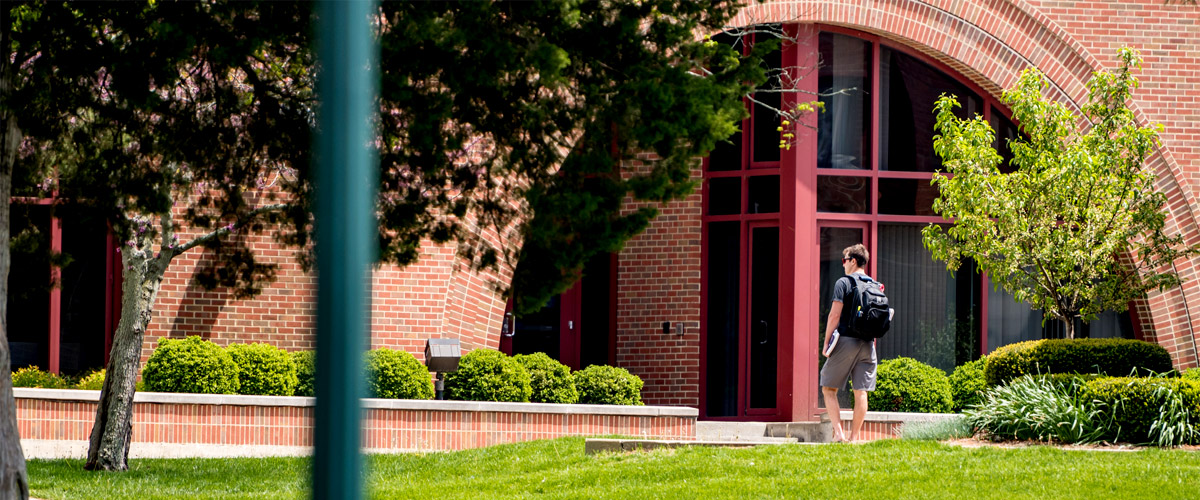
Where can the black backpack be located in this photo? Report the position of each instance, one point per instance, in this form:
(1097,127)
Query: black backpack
(870,316)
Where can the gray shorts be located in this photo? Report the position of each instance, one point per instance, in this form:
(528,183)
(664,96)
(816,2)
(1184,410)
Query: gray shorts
(850,357)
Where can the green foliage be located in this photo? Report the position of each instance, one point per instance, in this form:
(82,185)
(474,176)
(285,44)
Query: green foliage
(1055,233)
(1040,409)
(93,381)
(550,380)
(263,369)
(32,376)
(905,384)
(608,385)
(486,375)
(397,375)
(1116,357)
(306,371)
(1162,411)
(192,365)
(967,384)
(1191,374)
(937,430)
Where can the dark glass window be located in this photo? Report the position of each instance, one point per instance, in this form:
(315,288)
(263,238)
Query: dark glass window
(936,312)
(1006,131)
(722,307)
(764,316)
(850,195)
(1010,321)
(726,155)
(763,194)
(908,90)
(29,287)
(85,240)
(766,121)
(724,196)
(906,196)
(843,138)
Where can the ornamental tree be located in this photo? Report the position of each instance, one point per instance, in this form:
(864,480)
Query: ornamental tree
(159,117)
(1077,228)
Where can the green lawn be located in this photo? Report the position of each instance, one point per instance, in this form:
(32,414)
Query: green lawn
(559,469)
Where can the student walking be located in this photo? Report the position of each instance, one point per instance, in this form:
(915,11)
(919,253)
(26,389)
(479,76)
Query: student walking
(848,357)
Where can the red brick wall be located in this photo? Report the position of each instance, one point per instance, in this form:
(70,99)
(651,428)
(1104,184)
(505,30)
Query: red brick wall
(658,280)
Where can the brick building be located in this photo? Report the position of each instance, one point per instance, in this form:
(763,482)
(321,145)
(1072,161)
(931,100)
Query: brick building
(717,304)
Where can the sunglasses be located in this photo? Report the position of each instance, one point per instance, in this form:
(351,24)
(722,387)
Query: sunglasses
(844,259)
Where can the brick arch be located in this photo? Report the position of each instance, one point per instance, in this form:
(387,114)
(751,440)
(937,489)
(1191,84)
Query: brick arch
(991,42)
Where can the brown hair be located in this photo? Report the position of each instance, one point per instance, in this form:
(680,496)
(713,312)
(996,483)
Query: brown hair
(860,254)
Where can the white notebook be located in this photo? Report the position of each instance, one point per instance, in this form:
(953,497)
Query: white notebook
(833,340)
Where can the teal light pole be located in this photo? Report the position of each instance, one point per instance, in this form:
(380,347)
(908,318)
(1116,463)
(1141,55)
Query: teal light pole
(346,169)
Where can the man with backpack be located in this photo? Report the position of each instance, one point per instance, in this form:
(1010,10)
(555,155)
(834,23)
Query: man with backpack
(858,315)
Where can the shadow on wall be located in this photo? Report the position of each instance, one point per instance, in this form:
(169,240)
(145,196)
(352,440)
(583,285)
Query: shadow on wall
(200,307)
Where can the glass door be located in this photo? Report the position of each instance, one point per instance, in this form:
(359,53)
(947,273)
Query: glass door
(834,237)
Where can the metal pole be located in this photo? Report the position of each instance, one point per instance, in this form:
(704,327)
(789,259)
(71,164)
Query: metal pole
(346,170)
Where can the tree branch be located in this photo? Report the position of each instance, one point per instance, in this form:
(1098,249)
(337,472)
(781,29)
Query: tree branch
(219,232)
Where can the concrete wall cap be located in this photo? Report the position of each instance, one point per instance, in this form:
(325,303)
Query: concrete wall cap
(397,404)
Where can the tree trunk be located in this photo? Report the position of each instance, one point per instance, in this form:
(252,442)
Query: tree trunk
(1069,324)
(14,484)
(108,448)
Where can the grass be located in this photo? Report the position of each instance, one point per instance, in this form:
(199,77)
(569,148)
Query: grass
(559,469)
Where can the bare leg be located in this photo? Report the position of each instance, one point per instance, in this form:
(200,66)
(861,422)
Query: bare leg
(835,413)
(860,413)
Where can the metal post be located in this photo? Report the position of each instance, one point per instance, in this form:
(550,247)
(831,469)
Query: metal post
(345,192)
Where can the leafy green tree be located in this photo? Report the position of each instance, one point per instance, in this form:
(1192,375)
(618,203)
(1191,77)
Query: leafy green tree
(1078,227)
(159,117)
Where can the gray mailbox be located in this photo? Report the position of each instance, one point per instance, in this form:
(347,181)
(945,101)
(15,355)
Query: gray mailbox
(441,355)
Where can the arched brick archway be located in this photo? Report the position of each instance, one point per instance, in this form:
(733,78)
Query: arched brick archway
(991,42)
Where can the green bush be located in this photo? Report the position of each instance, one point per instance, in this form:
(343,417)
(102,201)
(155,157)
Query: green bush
(1040,409)
(905,384)
(550,380)
(1163,411)
(1115,357)
(1192,374)
(967,384)
(263,369)
(32,376)
(192,365)
(608,385)
(397,375)
(485,375)
(306,372)
(93,381)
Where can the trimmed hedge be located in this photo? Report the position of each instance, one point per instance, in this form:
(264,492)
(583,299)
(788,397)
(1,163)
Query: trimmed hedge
(967,384)
(306,372)
(1116,357)
(486,375)
(908,385)
(1135,403)
(92,382)
(32,376)
(550,380)
(397,375)
(608,385)
(191,365)
(263,369)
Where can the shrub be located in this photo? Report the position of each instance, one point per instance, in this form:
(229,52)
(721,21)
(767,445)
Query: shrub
(550,380)
(397,375)
(608,385)
(967,384)
(1117,357)
(1191,374)
(263,369)
(1040,409)
(905,384)
(485,375)
(93,381)
(1163,411)
(306,372)
(32,376)
(191,365)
